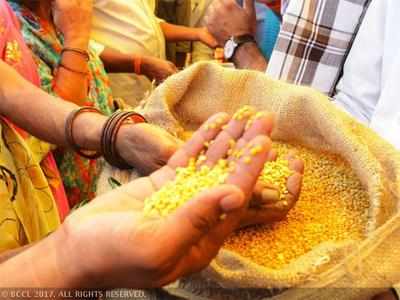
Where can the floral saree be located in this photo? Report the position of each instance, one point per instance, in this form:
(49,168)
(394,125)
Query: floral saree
(80,175)
(32,197)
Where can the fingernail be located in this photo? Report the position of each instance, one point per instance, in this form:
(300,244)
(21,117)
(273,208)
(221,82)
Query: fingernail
(270,195)
(232,202)
(294,184)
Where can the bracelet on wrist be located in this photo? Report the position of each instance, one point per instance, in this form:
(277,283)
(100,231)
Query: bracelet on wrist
(83,53)
(69,132)
(110,133)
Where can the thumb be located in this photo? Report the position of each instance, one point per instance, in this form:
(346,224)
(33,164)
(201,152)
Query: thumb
(249,6)
(190,223)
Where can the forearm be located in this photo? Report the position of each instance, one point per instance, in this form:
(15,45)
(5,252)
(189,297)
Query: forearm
(71,83)
(41,114)
(176,33)
(249,56)
(11,253)
(118,62)
(40,266)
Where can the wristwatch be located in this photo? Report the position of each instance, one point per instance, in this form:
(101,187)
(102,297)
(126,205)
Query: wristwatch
(234,43)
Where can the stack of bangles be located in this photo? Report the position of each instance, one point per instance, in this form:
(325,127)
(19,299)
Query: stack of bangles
(108,137)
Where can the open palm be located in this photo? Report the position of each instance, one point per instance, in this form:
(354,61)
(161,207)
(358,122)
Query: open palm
(115,245)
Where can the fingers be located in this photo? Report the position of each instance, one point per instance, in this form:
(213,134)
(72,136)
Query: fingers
(269,194)
(207,132)
(260,122)
(228,137)
(238,132)
(200,218)
(294,182)
(197,217)
(245,169)
(267,205)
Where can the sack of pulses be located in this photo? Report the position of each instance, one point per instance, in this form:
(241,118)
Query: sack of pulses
(190,169)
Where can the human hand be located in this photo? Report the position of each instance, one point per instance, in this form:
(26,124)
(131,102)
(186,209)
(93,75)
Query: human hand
(226,18)
(146,147)
(158,69)
(73,18)
(266,205)
(109,243)
(206,37)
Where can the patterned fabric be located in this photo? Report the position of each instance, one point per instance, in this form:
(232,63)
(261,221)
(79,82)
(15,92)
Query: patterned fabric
(314,41)
(80,175)
(31,189)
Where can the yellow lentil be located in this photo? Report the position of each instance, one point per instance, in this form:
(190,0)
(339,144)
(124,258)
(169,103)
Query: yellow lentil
(197,177)
(276,173)
(253,118)
(247,159)
(188,183)
(333,206)
(244,112)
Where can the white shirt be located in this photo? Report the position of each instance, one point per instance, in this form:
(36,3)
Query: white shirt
(370,87)
(129,26)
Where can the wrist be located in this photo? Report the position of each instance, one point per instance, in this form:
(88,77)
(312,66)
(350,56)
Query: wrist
(198,33)
(249,56)
(145,64)
(79,42)
(87,129)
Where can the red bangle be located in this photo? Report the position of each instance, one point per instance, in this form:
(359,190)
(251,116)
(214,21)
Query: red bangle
(83,53)
(137,62)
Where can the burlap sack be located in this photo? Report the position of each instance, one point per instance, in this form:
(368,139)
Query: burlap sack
(306,117)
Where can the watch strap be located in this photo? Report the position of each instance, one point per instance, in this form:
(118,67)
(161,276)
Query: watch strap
(242,39)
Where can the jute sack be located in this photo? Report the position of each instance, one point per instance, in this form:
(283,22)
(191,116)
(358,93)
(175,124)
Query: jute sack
(303,116)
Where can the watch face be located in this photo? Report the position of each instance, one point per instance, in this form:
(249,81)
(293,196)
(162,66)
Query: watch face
(229,49)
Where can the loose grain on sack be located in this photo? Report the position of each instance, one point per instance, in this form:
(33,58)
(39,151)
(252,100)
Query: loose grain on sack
(333,206)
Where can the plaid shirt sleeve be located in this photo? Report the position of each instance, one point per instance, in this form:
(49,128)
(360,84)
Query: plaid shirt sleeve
(314,40)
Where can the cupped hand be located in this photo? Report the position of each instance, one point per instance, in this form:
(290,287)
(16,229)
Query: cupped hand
(266,205)
(158,69)
(226,18)
(109,243)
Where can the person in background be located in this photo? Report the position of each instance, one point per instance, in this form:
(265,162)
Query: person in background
(33,201)
(310,50)
(266,32)
(132,28)
(58,34)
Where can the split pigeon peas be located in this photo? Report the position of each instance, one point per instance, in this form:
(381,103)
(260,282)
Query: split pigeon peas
(333,205)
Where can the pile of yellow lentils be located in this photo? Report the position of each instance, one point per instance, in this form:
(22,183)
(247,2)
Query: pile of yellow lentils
(197,177)
(333,206)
